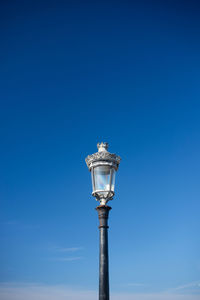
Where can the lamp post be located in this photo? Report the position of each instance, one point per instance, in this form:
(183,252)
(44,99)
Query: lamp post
(103,166)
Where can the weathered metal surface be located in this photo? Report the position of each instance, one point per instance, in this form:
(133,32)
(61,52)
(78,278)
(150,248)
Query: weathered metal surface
(102,157)
(103,212)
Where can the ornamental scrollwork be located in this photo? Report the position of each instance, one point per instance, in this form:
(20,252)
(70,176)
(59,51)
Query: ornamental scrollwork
(106,156)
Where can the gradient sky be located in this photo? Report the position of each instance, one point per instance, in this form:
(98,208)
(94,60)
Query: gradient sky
(74,73)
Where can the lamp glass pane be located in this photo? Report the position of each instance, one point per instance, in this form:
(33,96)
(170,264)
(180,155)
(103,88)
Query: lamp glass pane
(113,180)
(102,180)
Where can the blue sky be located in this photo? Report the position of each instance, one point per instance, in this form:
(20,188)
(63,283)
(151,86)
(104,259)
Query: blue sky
(75,73)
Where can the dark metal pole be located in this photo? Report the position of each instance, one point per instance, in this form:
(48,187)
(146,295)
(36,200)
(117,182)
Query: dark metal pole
(103,212)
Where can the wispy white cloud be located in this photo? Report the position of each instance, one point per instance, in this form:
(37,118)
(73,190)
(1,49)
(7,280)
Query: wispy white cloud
(135,284)
(69,249)
(58,251)
(194,284)
(67,258)
(190,285)
(11,222)
(11,291)
(153,296)
(42,292)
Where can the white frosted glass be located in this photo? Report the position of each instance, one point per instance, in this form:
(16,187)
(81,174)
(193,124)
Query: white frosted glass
(102,178)
(102,184)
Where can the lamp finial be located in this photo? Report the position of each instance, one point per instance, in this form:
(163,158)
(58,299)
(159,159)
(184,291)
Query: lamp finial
(102,147)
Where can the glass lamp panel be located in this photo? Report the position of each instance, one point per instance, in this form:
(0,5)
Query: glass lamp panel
(102,180)
(113,180)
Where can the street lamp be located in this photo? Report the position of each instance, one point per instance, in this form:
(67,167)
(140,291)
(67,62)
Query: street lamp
(103,166)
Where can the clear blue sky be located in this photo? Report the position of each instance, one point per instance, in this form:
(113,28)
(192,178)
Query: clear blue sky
(76,73)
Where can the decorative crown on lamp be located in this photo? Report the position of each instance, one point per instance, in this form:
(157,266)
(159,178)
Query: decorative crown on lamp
(103,166)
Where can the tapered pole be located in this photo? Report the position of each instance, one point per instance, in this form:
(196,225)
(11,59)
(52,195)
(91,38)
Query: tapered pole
(103,212)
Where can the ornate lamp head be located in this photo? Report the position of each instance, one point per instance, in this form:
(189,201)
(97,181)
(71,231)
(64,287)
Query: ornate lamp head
(103,166)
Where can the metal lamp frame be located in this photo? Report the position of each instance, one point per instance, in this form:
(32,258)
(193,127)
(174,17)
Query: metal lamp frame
(102,158)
